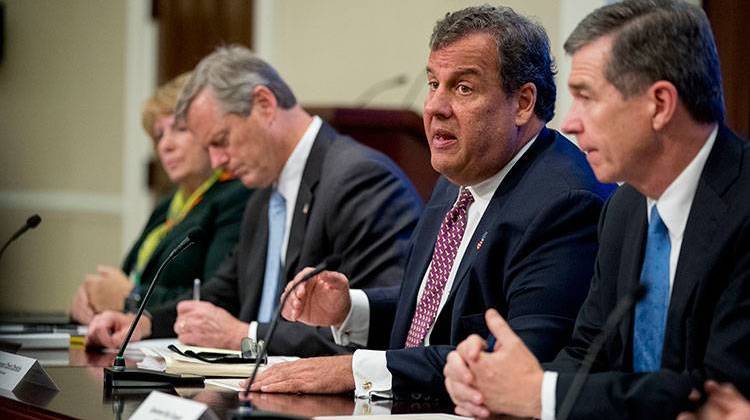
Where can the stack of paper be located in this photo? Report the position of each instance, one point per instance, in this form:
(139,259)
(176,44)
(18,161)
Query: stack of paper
(163,359)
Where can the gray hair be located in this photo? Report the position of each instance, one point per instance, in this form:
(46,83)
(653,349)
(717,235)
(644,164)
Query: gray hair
(522,46)
(232,73)
(658,40)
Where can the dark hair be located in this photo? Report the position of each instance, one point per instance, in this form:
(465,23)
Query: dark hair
(658,40)
(522,49)
(233,72)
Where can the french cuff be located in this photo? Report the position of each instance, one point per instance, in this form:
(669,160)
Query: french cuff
(371,375)
(549,389)
(252,331)
(356,326)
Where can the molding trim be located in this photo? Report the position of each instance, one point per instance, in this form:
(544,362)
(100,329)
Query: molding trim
(62,201)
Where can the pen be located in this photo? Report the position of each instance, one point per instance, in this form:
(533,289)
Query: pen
(197,289)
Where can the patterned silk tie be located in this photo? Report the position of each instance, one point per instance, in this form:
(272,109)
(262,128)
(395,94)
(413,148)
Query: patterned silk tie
(446,247)
(651,312)
(276,221)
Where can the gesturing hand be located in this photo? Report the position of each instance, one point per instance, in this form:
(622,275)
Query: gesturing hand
(322,301)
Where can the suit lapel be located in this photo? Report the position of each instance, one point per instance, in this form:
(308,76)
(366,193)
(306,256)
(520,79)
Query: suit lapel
(501,198)
(305,199)
(633,245)
(708,208)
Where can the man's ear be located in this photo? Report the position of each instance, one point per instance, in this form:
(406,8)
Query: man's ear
(264,101)
(663,99)
(526,97)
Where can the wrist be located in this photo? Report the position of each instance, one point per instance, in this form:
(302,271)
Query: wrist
(535,399)
(240,332)
(145,325)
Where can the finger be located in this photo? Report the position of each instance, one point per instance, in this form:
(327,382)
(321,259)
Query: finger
(456,369)
(470,348)
(469,410)
(463,394)
(334,280)
(499,328)
(694,395)
(687,416)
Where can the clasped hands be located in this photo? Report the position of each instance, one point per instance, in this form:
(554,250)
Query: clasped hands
(507,380)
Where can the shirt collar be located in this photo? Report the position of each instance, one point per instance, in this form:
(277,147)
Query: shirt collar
(674,204)
(291,175)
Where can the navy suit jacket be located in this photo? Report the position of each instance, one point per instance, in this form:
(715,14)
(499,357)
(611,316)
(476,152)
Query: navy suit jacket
(708,321)
(531,258)
(354,202)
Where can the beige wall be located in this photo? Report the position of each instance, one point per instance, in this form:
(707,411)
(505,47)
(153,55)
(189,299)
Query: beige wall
(75,74)
(61,140)
(332,51)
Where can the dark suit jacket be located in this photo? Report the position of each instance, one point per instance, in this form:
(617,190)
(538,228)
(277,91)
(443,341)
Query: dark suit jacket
(708,323)
(531,258)
(354,202)
(218,214)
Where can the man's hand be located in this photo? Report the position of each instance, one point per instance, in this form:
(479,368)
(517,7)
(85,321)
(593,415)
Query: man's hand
(459,379)
(107,289)
(323,301)
(724,402)
(201,323)
(108,329)
(81,310)
(316,375)
(509,378)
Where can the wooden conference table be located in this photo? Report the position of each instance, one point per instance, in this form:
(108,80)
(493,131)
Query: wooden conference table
(82,395)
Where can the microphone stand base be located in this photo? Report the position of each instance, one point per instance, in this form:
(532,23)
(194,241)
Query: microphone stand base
(115,377)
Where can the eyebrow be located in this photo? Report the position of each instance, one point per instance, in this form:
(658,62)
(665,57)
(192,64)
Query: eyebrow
(578,86)
(461,71)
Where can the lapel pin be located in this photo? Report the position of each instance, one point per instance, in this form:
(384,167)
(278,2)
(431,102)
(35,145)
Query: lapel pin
(306,208)
(481,240)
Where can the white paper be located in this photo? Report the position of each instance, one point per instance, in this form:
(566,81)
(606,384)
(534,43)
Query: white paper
(161,406)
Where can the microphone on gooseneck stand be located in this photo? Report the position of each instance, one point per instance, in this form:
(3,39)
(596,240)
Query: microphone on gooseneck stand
(31,223)
(245,410)
(613,320)
(119,376)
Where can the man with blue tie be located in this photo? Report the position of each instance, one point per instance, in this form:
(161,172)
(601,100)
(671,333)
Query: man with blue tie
(510,225)
(648,110)
(319,193)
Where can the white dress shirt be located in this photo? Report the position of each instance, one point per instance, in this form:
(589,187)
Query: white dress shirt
(371,375)
(288,186)
(674,208)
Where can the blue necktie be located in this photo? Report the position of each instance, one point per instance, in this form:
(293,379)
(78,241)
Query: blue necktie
(271,279)
(651,312)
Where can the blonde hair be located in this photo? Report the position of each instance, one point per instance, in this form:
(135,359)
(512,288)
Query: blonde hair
(163,102)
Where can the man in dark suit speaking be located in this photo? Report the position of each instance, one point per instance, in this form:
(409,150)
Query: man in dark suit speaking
(323,194)
(648,109)
(511,225)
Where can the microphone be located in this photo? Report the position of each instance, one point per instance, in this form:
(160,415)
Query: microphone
(622,308)
(31,223)
(379,87)
(120,376)
(245,410)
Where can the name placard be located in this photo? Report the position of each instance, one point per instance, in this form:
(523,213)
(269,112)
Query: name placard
(161,406)
(15,369)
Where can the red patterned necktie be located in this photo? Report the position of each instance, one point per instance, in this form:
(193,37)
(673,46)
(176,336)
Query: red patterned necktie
(446,247)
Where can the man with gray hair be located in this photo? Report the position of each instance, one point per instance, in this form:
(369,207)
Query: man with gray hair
(648,110)
(511,225)
(320,194)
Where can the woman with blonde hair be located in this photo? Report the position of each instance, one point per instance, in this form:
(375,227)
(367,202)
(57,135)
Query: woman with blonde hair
(203,198)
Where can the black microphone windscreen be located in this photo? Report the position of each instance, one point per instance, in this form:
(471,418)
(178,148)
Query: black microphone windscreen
(196,235)
(333,262)
(33,221)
